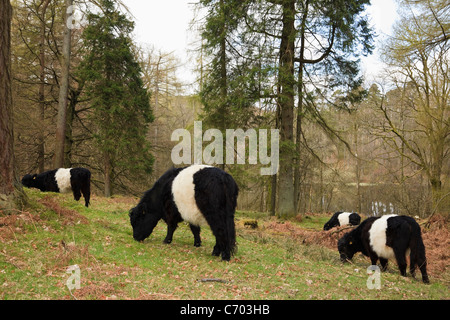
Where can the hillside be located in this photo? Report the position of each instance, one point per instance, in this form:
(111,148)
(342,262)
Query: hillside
(275,259)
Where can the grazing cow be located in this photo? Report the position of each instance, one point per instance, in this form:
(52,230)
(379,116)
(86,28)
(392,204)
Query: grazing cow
(77,180)
(198,194)
(387,237)
(342,219)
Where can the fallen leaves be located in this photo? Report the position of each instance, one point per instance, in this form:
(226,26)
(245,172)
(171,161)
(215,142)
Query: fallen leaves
(68,216)
(277,260)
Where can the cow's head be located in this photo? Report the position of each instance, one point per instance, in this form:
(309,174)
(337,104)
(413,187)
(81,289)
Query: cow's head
(143,220)
(327,226)
(29,180)
(347,247)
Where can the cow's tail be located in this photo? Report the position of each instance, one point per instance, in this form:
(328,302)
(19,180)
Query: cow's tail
(86,186)
(232,191)
(417,254)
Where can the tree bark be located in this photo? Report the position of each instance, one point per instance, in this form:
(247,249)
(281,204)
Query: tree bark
(223,75)
(298,133)
(41,136)
(11,196)
(71,113)
(108,168)
(6,120)
(286,103)
(63,92)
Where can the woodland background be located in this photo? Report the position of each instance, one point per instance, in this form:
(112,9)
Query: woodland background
(292,65)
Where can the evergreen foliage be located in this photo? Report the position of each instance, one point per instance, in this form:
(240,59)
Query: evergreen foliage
(276,53)
(121,107)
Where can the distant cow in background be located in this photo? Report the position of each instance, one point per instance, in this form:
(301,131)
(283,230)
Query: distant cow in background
(341,219)
(385,238)
(77,180)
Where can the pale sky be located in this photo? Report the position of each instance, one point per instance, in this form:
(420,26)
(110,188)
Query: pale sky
(383,14)
(165,25)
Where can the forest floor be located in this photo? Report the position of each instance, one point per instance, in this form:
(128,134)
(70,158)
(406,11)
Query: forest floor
(275,260)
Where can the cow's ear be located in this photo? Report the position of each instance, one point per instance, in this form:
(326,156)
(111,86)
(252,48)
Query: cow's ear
(34,176)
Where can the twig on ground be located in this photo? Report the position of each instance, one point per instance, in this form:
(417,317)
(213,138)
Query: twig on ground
(342,229)
(213,280)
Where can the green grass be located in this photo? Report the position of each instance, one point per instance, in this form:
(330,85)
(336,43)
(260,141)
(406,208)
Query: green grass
(35,254)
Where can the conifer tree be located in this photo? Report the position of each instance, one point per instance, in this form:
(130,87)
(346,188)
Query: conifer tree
(121,107)
(267,46)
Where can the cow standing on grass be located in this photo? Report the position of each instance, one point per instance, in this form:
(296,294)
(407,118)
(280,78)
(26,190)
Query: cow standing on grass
(75,180)
(387,237)
(341,219)
(198,194)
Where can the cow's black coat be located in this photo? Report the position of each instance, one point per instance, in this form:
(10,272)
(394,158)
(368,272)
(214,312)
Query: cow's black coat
(215,195)
(402,233)
(80,181)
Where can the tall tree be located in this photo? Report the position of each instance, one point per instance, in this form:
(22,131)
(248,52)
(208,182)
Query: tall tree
(331,35)
(418,57)
(42,73)
(270,47)
(63,91)
(227,90)
(6,114)
(286,103)
(120,103)
(11,194)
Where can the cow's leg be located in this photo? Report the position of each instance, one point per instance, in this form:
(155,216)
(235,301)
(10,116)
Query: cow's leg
(421,262)
(373,258)
(218,225)
(401,259)
(76,189)
(86,190)
(384,263)
(412,263)
(418,257)
(171,227)
(221,246)
(217,249)
(196,232)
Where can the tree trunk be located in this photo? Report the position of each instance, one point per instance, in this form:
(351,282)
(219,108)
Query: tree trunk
(436,187)
(63,91)
(273,195)
(6,120)
(357,169)
(223,77)
(10,195)
(107,173)
(274,179)
(298,133)
(298,136)
(69,127)
(41,135)
(286,103)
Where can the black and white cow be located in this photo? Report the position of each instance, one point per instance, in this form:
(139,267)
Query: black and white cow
(75,180)
(198,194)
(341,219)
(387,237)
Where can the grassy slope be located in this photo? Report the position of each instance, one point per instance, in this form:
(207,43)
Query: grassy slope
(57,232)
